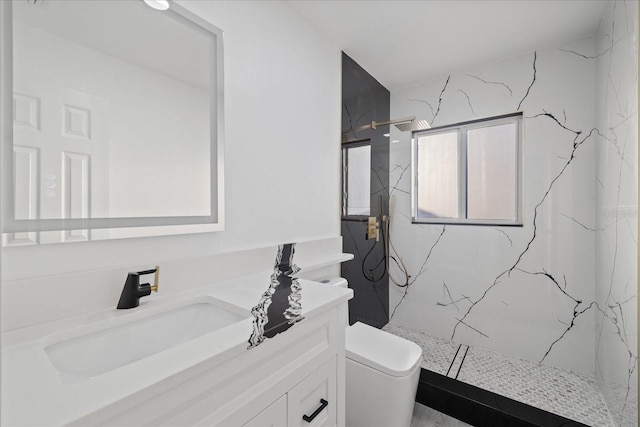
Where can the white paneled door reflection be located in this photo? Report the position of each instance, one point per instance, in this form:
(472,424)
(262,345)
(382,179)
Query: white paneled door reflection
(25,164)
(60,157)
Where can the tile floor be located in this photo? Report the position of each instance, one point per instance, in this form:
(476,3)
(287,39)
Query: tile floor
(555,390)
(423,416)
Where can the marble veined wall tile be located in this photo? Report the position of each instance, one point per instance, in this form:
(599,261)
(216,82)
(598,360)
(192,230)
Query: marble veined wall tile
(365,100)
(526,291)
(562,289)
(617,210)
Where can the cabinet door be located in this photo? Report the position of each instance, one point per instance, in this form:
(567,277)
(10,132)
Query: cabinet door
(275,415)
(312,402)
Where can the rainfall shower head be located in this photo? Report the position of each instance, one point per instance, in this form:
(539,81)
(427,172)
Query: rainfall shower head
(374,124)
(413,125)
(406,124)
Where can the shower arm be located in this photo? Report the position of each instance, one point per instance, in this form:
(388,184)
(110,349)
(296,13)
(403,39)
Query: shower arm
(374,124)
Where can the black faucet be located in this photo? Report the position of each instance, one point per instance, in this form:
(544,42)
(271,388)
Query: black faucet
(133,290)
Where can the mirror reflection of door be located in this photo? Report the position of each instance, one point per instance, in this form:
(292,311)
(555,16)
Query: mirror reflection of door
(115,127)
(60,163)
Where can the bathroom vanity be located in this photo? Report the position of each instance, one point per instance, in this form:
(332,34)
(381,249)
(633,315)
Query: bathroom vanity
(181,359)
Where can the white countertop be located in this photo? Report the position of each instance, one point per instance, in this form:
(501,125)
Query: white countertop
(33,394)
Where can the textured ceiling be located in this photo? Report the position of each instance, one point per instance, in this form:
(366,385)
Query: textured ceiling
(406,42)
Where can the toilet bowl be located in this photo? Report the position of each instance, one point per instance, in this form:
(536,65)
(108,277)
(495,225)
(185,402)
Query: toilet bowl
(382,372)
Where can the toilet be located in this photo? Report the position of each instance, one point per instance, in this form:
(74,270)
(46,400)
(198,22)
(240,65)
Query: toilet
(382,372)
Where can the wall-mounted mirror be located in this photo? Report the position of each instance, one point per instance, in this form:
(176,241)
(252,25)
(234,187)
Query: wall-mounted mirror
(111,121)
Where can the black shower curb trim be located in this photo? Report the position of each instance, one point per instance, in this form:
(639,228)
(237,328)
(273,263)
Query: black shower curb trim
(482,408)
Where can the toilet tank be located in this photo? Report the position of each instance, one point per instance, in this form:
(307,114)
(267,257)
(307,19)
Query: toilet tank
(340,282)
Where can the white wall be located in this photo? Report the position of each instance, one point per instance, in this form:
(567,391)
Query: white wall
(485,285)
(282,110)
(617,211)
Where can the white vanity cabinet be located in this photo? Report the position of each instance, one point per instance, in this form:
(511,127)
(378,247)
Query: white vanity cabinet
(273,416)
(211,380)
(314,399)
(312,402)
(274,384)
(314,374)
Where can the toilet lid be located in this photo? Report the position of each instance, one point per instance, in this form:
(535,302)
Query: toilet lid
(381,350)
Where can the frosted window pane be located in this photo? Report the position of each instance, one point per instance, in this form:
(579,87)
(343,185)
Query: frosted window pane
(491,172)
(358,176)
(438,175)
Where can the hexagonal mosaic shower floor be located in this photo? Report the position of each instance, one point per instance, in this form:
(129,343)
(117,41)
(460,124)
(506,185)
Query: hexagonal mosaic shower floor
(559,391)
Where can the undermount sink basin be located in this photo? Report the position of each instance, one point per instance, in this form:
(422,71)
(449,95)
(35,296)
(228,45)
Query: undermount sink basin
(105,346)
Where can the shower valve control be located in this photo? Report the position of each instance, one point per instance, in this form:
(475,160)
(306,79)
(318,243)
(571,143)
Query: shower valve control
(372,228)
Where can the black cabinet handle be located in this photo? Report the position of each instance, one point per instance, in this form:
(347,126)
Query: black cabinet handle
(323,404)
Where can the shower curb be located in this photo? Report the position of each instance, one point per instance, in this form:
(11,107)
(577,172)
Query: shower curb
(482,408)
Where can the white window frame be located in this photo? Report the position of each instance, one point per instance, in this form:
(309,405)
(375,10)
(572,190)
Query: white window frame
(462,129)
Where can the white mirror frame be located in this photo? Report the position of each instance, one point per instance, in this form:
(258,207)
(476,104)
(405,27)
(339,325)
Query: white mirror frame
(125,227)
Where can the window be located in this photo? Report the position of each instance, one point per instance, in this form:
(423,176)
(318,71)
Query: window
(468,173)
(356,179)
